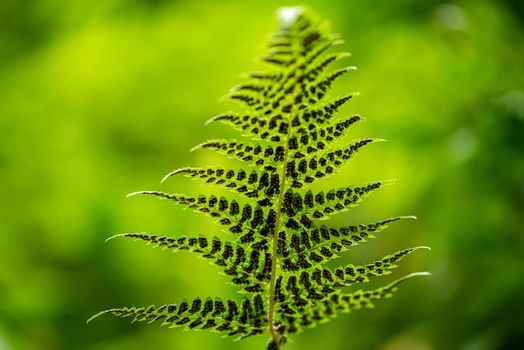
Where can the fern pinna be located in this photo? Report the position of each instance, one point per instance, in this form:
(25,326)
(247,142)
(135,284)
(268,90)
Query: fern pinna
(278,243)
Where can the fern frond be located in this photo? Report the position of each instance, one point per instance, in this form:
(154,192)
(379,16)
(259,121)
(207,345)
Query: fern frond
(336,240)
(278,244)
(306,286)
(256,128)
(314,72)
(248,183)
(317,137)
(311,117)
(337,303)
(254,155)
(321,204)
(225,210)
(247,263)
(303,170)
(234,318)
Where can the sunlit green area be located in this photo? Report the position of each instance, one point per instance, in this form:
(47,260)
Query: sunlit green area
(102,98)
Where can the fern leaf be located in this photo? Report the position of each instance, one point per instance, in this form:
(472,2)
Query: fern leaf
(255,155)
(324,311)
(321,205)
(279,241)
(311,117)
(317,137)
(249,183)
(305,170)
(226,211)
(248,265)
(258,129)
(337,240)
(306,286)
(234,318)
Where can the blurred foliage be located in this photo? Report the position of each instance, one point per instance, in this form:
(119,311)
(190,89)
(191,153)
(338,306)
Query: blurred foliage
(102,98)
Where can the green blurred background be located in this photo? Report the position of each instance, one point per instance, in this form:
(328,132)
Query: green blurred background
(101,98)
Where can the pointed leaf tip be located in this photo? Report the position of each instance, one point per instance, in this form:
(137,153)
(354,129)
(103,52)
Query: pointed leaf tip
(168,175)
(411,275)
(417,274)
(388,182)
(115,236)
(132,194)
(98,315)
(196,147)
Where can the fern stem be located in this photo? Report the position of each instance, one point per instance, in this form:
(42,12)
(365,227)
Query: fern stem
(274,265)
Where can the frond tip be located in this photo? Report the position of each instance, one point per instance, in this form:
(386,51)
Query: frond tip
(289,14)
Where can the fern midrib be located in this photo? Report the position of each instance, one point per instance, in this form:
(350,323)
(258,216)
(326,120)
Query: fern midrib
(274,264)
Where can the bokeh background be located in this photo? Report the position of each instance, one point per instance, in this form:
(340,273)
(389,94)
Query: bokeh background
(100,98)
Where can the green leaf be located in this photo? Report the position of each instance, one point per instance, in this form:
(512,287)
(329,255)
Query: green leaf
(337,303)
(234,318)
(278,247)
